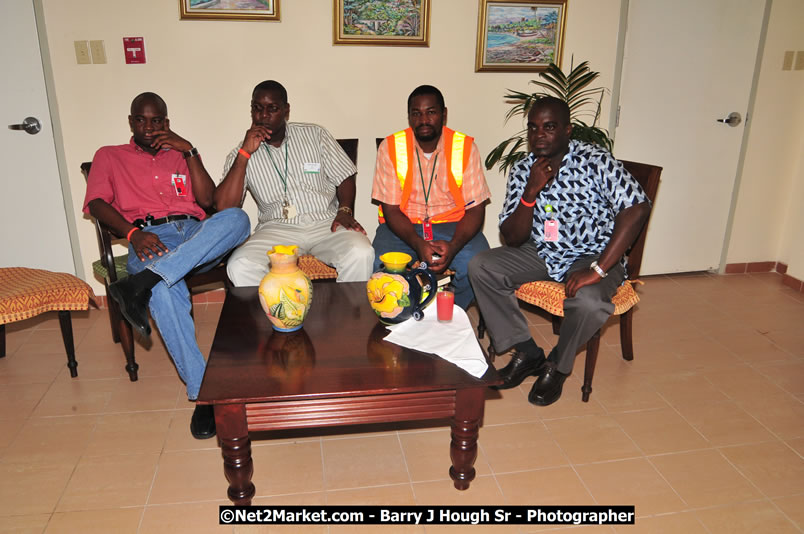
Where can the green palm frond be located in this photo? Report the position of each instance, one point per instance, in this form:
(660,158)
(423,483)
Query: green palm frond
(572,88)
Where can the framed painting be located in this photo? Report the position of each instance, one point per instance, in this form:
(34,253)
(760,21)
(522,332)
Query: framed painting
(229,9)
(520,36)
(382,22)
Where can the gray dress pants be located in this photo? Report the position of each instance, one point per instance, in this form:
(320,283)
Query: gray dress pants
(495,274)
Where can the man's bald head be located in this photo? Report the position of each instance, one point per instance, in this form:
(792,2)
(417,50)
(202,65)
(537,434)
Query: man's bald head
(148,98)
(556,105)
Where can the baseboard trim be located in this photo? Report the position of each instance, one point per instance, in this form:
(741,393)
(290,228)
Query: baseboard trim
(767,267)
(792,282)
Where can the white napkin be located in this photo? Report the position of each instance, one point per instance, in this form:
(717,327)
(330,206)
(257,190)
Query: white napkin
(454,341)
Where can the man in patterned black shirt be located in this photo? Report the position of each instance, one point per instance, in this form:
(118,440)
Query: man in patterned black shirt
(571,211)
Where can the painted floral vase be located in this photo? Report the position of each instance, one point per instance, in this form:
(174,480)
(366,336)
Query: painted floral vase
(285,292)
(397,294)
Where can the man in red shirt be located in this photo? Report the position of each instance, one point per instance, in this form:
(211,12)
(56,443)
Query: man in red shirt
(154,190)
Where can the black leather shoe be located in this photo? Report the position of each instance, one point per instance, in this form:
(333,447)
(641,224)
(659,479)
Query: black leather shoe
(133,302)
(547,388)
(519,368)
(202,425)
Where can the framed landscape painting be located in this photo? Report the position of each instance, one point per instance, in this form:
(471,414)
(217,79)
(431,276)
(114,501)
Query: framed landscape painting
(229,9)
(520,36)
(382,22)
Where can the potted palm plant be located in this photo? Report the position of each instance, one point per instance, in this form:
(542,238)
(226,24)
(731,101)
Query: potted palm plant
(583,101)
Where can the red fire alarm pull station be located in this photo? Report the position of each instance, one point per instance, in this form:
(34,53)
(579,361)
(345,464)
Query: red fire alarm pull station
(134,49)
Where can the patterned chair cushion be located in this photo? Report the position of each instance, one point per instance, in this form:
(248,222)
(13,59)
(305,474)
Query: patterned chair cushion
(25,293)
(550,296)
(316,269)
(120,263)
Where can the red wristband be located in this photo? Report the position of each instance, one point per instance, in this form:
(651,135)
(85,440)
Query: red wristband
(128,235)
(243,153)
(522,201)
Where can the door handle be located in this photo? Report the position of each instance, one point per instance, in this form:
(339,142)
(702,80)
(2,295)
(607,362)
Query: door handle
(30,125)
(733,120)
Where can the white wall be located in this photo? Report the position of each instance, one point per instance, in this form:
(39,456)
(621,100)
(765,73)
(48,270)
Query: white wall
(768,222)
(791,248)
(206,70)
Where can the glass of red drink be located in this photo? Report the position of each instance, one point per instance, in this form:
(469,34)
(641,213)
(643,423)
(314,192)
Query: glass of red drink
(445,301)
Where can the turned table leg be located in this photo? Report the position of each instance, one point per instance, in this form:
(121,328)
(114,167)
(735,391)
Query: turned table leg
(232,430)
(66,325)
(465,428)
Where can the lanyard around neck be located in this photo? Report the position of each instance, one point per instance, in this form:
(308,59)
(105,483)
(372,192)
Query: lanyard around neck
(285,177)
(426,189)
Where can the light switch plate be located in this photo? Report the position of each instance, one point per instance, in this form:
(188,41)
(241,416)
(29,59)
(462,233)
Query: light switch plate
(787,64)
(98,51)
(799,65)
(82,53)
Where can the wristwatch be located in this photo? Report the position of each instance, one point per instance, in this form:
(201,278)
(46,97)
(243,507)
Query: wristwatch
(595,267)
(190,153)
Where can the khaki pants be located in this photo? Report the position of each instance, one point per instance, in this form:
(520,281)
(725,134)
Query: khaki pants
(348,251)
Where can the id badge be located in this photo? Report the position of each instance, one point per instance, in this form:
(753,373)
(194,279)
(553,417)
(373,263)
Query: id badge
(551,230)
(427,230)
(179,182)
(288,210)
(312,167)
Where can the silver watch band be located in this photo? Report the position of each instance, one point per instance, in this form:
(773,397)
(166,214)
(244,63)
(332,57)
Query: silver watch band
(595,267)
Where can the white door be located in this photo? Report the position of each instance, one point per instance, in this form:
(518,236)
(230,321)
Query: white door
(687,63)
(32,215)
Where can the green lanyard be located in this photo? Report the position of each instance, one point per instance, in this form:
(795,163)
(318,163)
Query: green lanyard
(427,189)
(285,177)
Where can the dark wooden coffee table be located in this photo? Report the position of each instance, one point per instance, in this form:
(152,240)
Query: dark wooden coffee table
(337,370)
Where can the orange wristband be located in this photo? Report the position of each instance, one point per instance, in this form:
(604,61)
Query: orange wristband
(128,236)
(522,201)
(243,153)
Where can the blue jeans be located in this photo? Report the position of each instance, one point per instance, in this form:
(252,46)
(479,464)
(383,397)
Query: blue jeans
(193,247)
(387,241)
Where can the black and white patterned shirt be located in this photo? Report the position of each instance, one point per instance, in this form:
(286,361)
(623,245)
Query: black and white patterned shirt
(316,167)
(590,190)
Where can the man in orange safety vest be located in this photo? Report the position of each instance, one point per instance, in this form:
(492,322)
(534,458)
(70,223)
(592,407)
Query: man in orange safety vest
(432,192)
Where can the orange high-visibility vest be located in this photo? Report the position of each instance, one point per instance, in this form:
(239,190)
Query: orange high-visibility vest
(457,148)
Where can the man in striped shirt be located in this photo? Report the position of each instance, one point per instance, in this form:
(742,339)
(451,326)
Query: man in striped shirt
(304,186)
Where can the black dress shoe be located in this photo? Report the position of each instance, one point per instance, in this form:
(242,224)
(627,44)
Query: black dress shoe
(547,388)
(133,302)
(521,366)
(202,425)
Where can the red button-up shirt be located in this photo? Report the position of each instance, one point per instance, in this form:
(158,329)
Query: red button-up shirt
(136,183)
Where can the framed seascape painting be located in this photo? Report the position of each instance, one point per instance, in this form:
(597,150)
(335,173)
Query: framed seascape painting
(229,9)
(382,22)
(520,36)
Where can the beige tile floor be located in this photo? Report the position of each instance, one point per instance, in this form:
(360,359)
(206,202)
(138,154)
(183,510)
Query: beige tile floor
(703,431)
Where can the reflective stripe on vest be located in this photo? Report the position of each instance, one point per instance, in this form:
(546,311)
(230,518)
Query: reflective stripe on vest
(401,151)
(457,157)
